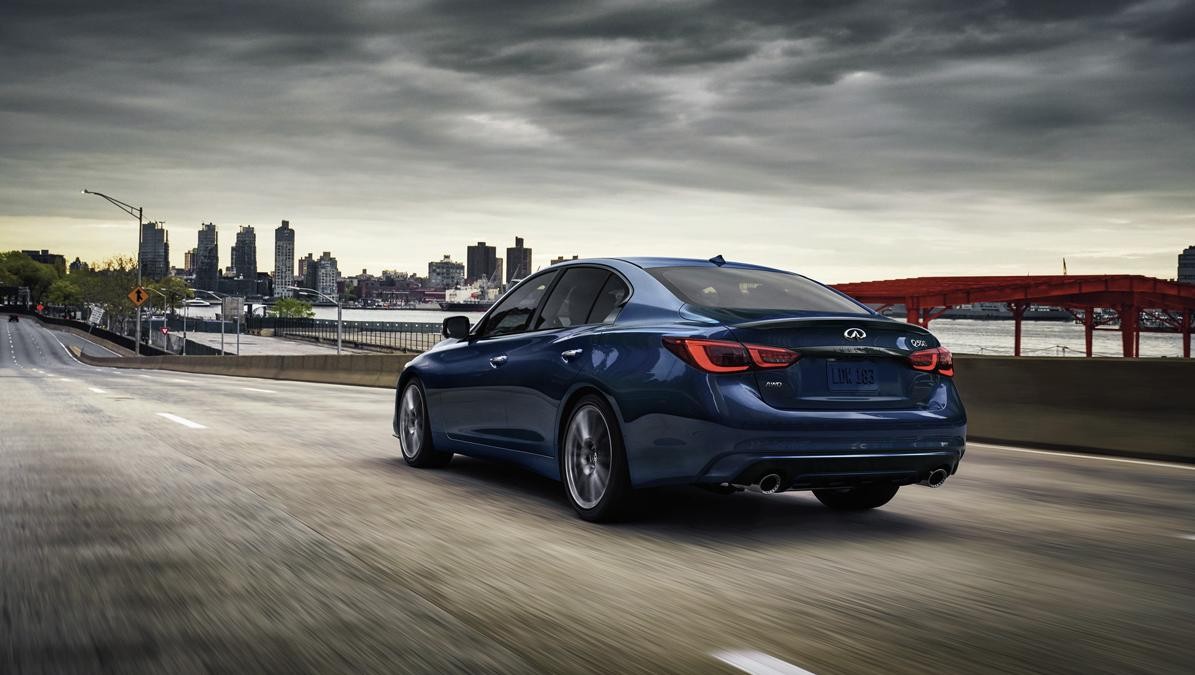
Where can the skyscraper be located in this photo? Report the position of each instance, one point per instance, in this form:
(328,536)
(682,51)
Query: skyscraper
(1186,266)
(244,254)
(284,259)
(308,272)
(518,261)
(327,274)
(154,256)
(481,262)
(207,258)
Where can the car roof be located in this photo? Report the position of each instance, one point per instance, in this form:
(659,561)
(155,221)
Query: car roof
(648,262)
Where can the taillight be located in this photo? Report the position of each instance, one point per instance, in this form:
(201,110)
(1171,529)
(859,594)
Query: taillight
(937,360)
(728,356)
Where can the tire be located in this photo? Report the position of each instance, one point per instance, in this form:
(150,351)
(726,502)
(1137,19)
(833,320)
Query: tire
(858,498)
(414,430)
(593,462)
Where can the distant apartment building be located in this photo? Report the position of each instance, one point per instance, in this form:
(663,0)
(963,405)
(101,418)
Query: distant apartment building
(244,253)
(308,272)
(1186,266)
(559,259)
(481,262)
(445,273)
(58,262)
(327,275)
(518,261)
(154,255)
(189,262)
(207,258)
(78,266)
(284,259)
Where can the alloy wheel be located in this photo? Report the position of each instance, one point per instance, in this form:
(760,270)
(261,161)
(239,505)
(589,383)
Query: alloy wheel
(410,421)
(588,454)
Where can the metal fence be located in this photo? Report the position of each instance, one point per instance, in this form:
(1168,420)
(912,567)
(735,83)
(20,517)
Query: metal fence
(395,335)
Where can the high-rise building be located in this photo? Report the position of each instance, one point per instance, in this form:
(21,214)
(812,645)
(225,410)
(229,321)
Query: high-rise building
(1186,266)
(481,262)
(284,259)
(189,261)
(518,261)
(154,256)
(308,273)
(327,275)
(207,258)
(244,254)
(445,273)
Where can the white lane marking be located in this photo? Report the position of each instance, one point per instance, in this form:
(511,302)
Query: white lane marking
(758,663)
(98,391)
(260,391)
(67,379)
(182,420)
(180,380)
(1101,458)
(1188,537)
(149,377)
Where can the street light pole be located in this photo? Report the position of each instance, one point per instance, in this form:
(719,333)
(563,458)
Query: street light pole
(339,314)
(132,211)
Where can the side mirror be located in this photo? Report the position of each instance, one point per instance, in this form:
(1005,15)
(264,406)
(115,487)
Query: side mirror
(456,327)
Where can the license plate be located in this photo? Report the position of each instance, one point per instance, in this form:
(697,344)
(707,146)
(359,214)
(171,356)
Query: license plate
(851,377)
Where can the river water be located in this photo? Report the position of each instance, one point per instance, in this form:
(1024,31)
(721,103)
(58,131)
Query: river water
(963,336)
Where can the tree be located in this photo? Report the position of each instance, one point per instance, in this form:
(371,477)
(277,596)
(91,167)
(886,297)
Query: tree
(175,290)
(291,308)
(18,269)
(108,284)
(64,292)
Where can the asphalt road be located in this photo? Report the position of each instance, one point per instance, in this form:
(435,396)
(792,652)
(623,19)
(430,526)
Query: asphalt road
(164,522)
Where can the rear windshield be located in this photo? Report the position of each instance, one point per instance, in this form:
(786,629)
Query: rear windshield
(730,288)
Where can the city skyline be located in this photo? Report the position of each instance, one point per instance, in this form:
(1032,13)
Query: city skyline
(837,140)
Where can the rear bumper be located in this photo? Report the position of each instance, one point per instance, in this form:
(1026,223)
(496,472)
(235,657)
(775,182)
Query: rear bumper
(666,450)
(806,472)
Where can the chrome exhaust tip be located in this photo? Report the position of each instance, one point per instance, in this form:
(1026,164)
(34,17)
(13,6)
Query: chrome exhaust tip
(936,478)
(770,484)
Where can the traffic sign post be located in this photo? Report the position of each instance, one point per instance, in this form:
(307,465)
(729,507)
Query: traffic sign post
(138,296)
(231,306)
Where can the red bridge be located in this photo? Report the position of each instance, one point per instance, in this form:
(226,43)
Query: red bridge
(1130,296)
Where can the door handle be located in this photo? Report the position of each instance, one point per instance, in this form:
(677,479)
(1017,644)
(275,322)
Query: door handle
(498,360)
(570,354)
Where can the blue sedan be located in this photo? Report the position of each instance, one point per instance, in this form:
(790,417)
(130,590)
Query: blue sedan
(611,375)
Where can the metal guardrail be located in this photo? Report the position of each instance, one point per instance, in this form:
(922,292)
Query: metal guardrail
(392,335)
(396,335)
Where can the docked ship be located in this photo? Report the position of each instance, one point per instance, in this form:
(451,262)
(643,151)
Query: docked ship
(476,298)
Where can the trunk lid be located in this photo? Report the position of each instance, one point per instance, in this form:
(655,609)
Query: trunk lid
(847,362)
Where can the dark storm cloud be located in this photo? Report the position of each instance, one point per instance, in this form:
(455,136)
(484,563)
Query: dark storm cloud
(829,103)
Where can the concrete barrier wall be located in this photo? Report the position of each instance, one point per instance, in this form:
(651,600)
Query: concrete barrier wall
(1134,407)
(369,370)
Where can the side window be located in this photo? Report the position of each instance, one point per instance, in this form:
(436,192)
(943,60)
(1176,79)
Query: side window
(609,300)
(573,297)
(514,312)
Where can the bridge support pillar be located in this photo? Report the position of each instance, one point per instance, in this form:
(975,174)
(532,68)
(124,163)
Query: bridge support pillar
(912,315)
(1129,315)
(1018,314)
(1186,333)
(1088,328)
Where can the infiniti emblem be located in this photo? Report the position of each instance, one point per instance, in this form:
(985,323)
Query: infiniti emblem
(854,334)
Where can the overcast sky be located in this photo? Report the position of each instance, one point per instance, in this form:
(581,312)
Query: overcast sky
(846,140)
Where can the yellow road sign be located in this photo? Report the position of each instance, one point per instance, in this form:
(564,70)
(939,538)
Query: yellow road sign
(138,296)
